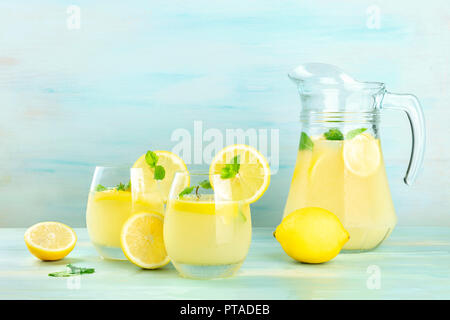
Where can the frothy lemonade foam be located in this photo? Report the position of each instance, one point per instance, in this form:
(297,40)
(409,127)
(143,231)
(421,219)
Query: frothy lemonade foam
(348,178)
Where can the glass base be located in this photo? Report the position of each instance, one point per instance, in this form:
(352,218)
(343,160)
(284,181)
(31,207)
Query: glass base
(110,253)
(206,271)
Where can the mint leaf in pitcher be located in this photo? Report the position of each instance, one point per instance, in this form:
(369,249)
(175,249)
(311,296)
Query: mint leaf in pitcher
(353,133)
(334,134)
(305,142)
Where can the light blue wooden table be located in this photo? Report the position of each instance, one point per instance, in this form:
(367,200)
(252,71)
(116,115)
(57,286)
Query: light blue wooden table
(412,264)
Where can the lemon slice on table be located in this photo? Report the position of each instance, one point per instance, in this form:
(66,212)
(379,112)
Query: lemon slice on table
(50,240)
(252,178)
(142,240)
(171,164)
(362,155)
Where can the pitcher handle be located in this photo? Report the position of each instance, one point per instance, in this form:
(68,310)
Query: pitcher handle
(411,105)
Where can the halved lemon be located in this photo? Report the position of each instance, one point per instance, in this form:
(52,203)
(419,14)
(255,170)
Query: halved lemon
(50,240)
(142,240)
(362,154)
(171,163)
(250,182)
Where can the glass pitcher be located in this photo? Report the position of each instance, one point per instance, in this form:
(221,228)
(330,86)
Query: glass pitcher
(339,164)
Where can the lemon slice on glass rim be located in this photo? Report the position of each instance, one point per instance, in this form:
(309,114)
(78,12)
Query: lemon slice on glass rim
(253,176)
(171,163)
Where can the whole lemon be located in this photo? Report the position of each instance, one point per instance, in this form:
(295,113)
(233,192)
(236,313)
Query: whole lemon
(311,235)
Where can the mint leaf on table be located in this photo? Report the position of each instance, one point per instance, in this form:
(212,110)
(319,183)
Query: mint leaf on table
(151,158)
(186,191)
(72,271)
(353,133)
(230,170)
(100,188)
(334,134)
(305,142)
(59,274)
(160,173)
(80,270)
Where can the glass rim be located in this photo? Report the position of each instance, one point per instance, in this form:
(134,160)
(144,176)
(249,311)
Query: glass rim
(116,167)
(200,173)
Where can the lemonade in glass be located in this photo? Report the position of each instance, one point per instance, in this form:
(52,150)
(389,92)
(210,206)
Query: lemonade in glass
(207,235)
(115,194)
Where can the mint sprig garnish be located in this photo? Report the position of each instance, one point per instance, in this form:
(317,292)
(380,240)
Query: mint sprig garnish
(230,170)
(305,142)
(205,184)
(186,191)
(100,188)
(120,187)
(353,133)
(72,271)
(334,134)
(160,173)
(123,187)
(152,160)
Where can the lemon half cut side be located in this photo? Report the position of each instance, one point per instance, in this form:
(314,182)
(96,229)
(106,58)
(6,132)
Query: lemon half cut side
(50,241)
(142,240)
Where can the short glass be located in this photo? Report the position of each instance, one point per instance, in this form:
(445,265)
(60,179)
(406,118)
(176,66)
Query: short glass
(206,233)
(115,194)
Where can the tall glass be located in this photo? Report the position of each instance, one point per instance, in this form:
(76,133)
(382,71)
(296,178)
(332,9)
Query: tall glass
(115,194)
(206,233)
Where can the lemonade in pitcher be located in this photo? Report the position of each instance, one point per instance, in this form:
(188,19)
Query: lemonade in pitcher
(340,164)
(346,177)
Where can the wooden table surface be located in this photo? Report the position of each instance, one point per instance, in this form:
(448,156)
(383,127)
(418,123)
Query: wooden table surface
(413,263)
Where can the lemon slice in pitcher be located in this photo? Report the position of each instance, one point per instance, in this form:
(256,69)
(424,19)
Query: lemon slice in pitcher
(362,155)
(171,164)
(142,240)
(246,169)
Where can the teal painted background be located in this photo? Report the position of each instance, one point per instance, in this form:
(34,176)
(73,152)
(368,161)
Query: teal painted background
(136,71)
